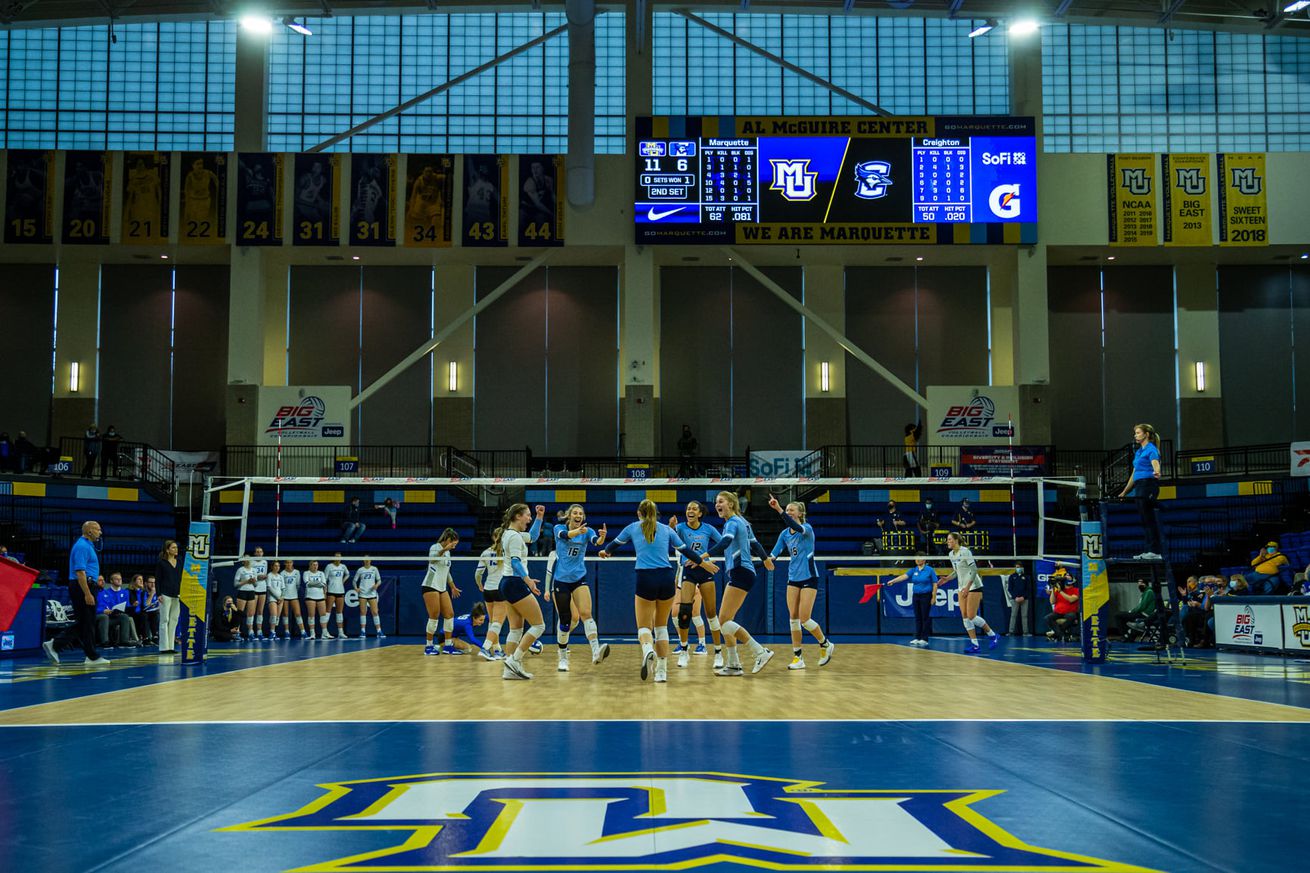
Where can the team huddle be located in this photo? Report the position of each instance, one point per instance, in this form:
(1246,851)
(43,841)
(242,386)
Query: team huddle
(274,588)
(511,592)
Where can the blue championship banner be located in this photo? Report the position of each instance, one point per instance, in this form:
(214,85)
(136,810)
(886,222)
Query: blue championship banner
(195,592)
(1095,595)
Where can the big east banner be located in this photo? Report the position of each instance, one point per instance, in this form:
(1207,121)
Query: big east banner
(304,415)
(972,415)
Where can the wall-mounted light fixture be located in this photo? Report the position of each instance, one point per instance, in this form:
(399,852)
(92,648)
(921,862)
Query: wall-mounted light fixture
(74,377)
(452,376)
(1200,377)
(825,383)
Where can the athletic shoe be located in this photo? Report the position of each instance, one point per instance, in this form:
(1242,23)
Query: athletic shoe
(827,653)
(515,667)
(1140,556)
(507,673)
(797,663)
(450,650)
(729,671)
(601,653)
(101,661)
(381,635)
(431,650)
(1152,556)
(700,649)
(682,658)
(972,650)
(994,641)
(761,659)
(1050,635)
(647,664)
(487,655)
(326,636)
(563,666)
(49,648)
(662,673)
(535,648)
(680,649)
(718,660)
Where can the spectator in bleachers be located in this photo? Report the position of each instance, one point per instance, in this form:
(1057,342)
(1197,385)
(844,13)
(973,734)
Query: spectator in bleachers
(1144,611)
(150,607)
(112,621)
(8,457)
(90,450)
(1063,593)
(911,457)
(110,440)
(135,606)
(100,583)
(926,525)
(390,508)
(168,573)
(1238,586)
(353,528)
(964,519)
(1303,588)
(24,451)
(1263,577)
(227,621)
(894,520)
(1019,593)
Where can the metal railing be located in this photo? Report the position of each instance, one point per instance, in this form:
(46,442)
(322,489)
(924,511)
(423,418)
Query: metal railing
(1117,466)
(120,460)
(1271,458)
(391,461)
(889,460)
(653,467)
(42,535)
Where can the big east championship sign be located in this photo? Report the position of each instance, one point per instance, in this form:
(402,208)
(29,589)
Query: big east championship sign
(972,415)
(304,415)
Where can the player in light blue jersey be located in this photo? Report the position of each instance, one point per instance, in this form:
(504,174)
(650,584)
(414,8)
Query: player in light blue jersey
(697,585)
(655,588)
(802,580)
(737,546)
(566,581)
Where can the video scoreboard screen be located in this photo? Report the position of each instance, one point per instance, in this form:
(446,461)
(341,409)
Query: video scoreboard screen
(860,179)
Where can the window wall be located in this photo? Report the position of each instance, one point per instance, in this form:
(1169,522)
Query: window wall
(1109,89)
(354,68)
(161,86)
(908,66)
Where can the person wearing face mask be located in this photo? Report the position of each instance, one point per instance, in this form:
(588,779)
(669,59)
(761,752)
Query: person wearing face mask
(927,525)
(1263,577)
(923,585)
(1144,611)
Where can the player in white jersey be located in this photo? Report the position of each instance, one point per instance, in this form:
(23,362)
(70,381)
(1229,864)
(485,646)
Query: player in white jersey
(315,600)
(366,582)
(245,584)
(260,566)
(438,589)
(273,591)
(487,578)
(517,587)
(337,573)
(965,568)
(291,599)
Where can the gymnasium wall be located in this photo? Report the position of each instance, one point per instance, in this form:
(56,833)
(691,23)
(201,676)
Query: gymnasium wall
(27,316)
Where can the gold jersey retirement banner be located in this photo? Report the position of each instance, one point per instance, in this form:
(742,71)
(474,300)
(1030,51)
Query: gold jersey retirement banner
(30,197)
(145,198)
(429,201)
(204,199)
(1243,212)
(1186,187)
(1131,181)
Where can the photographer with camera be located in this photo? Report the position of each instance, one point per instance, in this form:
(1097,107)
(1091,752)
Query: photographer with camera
(1063,592)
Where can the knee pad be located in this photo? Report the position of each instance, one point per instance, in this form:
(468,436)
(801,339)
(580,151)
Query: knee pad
(448,625)
(714,623)
(968,624)
(494,628)
(535,631)
(563,606)
(979,622)
(795,624)
(810,624)
(514,636)
(684,615)
(432,626)
(662,633)
(730,629)
(698,621)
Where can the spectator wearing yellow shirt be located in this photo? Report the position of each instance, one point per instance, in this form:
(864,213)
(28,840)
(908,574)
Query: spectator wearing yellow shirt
(1263,577)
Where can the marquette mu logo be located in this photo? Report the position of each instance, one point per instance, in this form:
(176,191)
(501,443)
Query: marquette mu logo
(1135,181)
(652,821)
(1246,181)
(1301,625)
(1190,180)
(794,179)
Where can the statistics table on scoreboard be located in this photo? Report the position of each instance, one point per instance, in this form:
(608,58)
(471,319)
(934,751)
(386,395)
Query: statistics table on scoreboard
(941,180)
(729,171)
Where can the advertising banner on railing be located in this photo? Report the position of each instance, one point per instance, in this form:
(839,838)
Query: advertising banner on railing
(961,415)
(1003,461)
(304,415)
(794,462)
(1300,458)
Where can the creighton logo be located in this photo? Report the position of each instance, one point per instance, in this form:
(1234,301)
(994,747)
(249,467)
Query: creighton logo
(1136,181)
(794,179)
(665,821)
(1246,181)
(1189,180)
(872,179)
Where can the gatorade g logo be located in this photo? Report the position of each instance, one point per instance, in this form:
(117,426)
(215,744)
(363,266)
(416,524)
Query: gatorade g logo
(1136,181)
(1004,201)
(1092,547)
(660,821)
(197,545)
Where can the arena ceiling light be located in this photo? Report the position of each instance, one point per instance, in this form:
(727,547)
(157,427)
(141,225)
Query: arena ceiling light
(1296,6)
(302,27)
(1023,27)
(989,25)
(258,24)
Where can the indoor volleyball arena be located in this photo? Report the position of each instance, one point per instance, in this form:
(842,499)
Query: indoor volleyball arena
(652,436)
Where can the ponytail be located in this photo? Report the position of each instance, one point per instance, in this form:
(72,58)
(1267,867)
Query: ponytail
(499,533)
(1152,435)
(648,512)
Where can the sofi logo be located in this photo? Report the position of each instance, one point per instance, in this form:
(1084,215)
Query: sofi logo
(650,821)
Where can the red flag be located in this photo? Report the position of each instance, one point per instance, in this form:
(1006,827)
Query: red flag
(15,581)
(871,591)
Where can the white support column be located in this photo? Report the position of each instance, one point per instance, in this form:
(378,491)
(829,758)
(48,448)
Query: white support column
(825,411)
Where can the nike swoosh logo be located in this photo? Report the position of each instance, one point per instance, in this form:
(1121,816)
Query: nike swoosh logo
(652,215)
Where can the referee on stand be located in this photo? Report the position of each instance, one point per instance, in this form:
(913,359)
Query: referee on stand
(83,568)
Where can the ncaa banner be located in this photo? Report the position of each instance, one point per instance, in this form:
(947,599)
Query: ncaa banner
(145,198)
(30,197)
(87,179)
(204,199)
(429,200)
(1243,211)
(541,200)
(315,213)
(1095,594)
(259,199)
(486,201)
(195,593)
(1186,190)
(1131,189)
(373,201)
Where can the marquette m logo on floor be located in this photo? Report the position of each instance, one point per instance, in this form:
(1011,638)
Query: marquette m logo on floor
(658,821)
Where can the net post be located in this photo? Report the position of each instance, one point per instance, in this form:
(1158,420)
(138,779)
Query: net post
(245,517)
(1041,517)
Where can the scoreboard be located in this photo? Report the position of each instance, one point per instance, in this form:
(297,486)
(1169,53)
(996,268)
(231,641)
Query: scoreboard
(860,179)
